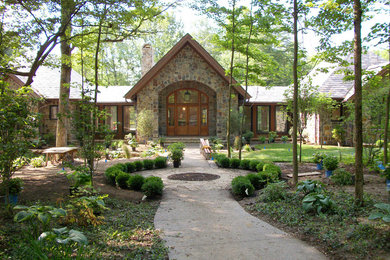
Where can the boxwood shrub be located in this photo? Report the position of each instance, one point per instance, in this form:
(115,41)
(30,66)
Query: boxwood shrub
(218,156)
(224,162)
(253,164)
(130,167)
(135,182)
(255,180)
(244,164)
(260,166)
(342,177)
(235,163)
(111,174)
(121,166)
(139,165)
(242,186)
(148,164)
(152,186)
(268,177)
(121,179)
(269,167)
(160,162)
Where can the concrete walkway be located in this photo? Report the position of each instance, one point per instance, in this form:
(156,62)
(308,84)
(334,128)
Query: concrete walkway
(201,220)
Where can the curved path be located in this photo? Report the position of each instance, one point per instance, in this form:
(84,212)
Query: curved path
(201,220)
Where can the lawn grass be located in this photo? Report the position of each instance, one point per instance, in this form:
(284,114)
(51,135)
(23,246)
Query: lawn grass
(279,152)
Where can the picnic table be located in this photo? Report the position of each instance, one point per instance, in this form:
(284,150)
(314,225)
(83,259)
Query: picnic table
(63,153)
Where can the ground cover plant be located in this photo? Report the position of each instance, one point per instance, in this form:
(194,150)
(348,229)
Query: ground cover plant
(126,232)
(328,220)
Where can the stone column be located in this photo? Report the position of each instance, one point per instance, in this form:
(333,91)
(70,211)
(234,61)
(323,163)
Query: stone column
(147,58)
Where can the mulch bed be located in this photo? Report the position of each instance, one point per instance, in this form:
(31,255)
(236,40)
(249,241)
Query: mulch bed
(193,176)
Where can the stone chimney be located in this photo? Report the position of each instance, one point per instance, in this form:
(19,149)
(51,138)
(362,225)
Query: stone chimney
(147,58)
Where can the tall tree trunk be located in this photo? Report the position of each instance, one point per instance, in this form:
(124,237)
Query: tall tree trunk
(231,81)
(66,67)
(358,103)
(295,96)
(386,135)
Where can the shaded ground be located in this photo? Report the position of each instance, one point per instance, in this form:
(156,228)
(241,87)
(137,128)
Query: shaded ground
(193,176)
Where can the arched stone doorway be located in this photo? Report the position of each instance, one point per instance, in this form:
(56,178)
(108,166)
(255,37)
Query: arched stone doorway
(187,108)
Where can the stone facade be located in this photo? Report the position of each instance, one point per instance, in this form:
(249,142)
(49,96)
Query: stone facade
(187,68)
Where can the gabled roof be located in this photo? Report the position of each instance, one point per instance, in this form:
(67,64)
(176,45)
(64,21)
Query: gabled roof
(262,94)
(186,40)
(112,94)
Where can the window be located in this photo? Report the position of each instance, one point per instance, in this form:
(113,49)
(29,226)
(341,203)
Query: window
(53,112)
(129,119)
(112,117)
(262,119)
(281,120)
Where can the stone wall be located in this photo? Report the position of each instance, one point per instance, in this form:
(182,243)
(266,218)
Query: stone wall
(187,66)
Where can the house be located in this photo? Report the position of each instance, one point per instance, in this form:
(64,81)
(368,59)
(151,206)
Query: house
(188,93)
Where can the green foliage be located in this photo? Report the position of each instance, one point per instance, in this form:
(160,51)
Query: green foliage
(111,174)
(260,166)
(284,138)
(121,179)
(121,166)
(256,180)
(245,164)
(160,162)
(338,133)
(262,139)
(130,167)
(218,157)
(274,192)
(269,167)
(176,155)
(79,176)
(145,122)
(310,186)
(176,146)
(382,212)
(148,164)
(318,156)
(15,186)
(331,163)
(37,162)
(271,136)
(126,151)
(242,186)
(379,143)
(341,177)
(38,218)
(318,203)
(253,165)
(135,182)
(224,162)
(86,210)
(237,143)
(152,186)
(268,177)
(139,165)
(64,236)
(247,148)
(235,163)
(248,135)
(131,140)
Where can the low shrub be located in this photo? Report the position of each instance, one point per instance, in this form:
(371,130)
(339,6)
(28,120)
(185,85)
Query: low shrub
(267,177)
(175,146)
(160,162)
(310,186)
(37,162)
(269,167)
(130,167)
(260,166)
(255,180)
(218,156)
(379,143)
(342,177)
(121,179)
(245,164)
(242,186)
(152,186)
(148,164)
(135,182)
(253,164)
(121,166)
(139,165)
(318,203)
(235,163)
(331,163)
(274,192)
(247,148)
(111,174)
(224,162)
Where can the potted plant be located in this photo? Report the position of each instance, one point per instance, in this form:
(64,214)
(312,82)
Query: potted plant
(248,135)
(132,141)
(78,177)
(318,158)
(262,139)
(176,156)
(162,140)
(284,139)
(15,186)
(331,163)
(271,136)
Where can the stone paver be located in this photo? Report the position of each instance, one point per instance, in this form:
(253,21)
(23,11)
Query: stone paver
(201,220)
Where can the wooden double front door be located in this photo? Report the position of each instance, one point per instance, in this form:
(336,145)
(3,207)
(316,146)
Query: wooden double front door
(187,113)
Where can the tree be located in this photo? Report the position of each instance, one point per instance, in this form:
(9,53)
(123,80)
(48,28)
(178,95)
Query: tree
(295,95)
(18,125)
(145,124)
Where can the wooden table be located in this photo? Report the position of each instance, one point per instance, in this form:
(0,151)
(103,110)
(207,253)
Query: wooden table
(61,151)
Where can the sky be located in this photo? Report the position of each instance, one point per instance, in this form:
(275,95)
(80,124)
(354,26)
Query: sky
(310,41)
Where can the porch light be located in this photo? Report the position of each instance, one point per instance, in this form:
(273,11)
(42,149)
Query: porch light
(187,96)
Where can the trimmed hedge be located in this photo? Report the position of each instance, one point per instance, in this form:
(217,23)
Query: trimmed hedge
(245,164)
(272,168)
(111,174)
(255,180)
(148,164)
(152,186)
(135,182)
(121,179)
(121,166)
(139,165)
(268,177)
(224,162)
(130,167)
(160,162)
(242,186)
(260,166)
(253,164)
(235,163)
